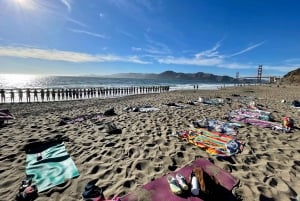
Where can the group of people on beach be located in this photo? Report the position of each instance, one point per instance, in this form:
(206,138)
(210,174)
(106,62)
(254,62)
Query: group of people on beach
(77,93)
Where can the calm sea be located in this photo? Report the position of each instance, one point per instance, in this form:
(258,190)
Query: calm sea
(17,81)
(10,81)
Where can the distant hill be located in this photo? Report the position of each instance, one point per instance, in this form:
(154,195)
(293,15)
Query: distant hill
(292,77)
(171,75)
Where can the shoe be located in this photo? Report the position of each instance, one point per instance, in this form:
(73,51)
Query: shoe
(181,181)
(174,185)
(195,185)
(92,192)
(39,156)
(25,183)
(28,194)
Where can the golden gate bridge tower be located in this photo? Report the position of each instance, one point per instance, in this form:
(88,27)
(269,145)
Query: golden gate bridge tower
(259,73)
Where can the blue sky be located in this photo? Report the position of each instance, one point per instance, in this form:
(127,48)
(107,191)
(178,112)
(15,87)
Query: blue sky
(80,37)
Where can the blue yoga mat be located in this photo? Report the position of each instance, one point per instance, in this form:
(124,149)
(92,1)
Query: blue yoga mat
(54,168)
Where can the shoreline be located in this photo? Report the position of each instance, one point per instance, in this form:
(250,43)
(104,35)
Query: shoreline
(268,167)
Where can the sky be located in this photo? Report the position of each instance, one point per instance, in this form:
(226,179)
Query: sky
(100,37)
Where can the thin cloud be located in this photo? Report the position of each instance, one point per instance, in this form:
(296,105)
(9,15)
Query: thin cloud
(155,47)
(127,34)
(136,48)
(234,65)
(101,15)
(67,3)
(87,33)
(190,61)
(211,57)
(211,52)
(66,56)
(282,68)
(247,49)
(292,60)
(77,22)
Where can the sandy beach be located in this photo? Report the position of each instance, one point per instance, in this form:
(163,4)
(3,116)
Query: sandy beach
(268,168)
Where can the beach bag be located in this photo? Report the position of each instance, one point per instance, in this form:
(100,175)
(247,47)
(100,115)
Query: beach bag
(287,122)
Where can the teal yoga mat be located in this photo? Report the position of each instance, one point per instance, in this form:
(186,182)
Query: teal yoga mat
(55,167)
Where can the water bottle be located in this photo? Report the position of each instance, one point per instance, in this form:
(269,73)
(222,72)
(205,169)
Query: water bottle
(195,185)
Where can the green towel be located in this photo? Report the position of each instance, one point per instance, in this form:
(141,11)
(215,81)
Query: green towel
(53,169)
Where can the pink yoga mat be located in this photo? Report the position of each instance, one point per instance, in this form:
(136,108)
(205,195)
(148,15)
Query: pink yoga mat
(159,189)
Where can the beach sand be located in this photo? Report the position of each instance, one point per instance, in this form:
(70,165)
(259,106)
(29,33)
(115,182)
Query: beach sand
(268,168)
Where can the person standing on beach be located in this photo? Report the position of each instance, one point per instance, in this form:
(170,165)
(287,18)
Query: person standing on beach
(20,95)
(84,93)
(53,94)
(88,93)
(48,95)
(67,93)
(42,94)
(12,96)
(35,95)
(70,94)
(58,94)
(2,92)
(62,94)
(80,93)
(28,95)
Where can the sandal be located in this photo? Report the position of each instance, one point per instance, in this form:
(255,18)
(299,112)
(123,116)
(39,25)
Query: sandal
(173,185)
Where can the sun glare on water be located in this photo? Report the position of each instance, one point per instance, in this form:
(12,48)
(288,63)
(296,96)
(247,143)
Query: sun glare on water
(16,80)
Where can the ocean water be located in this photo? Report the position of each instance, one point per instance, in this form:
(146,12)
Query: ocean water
(10,81)
(18,81)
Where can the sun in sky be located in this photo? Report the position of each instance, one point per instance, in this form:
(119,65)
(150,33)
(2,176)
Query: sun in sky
(24,4)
